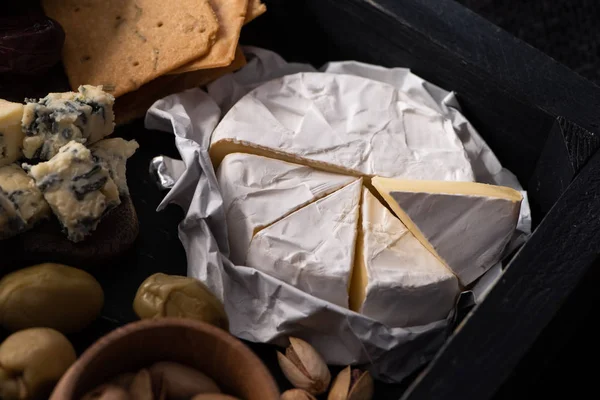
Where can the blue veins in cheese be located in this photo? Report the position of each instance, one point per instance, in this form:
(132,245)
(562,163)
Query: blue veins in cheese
(21,202)
(112,154)
(78,188)
(49,123)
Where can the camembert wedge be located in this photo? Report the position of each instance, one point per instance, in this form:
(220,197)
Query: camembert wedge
(396,280)
(259,191)
(466,225)
(313,248)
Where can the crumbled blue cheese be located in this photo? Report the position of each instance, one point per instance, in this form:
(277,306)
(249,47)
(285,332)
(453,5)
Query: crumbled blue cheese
(21,202)
(113,154)
(79,189)
(53,121)
(11,134)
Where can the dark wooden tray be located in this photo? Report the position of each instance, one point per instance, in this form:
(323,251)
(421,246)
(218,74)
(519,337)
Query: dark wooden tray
(540,118)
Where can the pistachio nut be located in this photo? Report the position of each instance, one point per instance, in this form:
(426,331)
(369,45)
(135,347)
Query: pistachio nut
(141,386)
(49,295)
(214,396)
(123,380)
(182,381)
(304,367)
(297,394)
(32,361)
(107,392)
(352,384)
(162,295)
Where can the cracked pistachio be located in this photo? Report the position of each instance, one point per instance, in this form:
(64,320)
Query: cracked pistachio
(182,381)
(49,295)
(297,394)
(32,361)
(352,384)
(141,386)
(304,367)
(107,392)
(162,295)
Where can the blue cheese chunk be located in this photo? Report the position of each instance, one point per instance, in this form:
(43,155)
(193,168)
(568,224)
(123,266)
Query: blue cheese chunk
(55,120)
(113,154)
(11,134)
(79,189)
(21,202)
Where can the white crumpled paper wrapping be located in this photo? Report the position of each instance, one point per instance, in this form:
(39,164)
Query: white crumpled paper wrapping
(261,308)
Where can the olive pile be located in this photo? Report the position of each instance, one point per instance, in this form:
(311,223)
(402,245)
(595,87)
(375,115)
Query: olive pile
(43,302)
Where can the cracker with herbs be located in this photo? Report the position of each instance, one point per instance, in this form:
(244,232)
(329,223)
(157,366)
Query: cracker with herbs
(135,104)
(231,15)
(122,45)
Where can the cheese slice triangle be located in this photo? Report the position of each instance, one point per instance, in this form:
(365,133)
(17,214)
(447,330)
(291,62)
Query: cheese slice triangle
(465,224)
(313,248)
(257,191)
(396,280)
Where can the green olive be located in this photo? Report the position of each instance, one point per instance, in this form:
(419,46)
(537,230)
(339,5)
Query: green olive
(162,295)
(49,295)
(32,361)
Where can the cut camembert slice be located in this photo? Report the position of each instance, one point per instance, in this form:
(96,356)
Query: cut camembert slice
(466,225)
(259,191)
(313,248)
(396,280)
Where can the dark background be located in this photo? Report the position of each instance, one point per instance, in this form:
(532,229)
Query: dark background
(563,360)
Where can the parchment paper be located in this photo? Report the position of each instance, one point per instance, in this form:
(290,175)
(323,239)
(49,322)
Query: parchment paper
(261,308)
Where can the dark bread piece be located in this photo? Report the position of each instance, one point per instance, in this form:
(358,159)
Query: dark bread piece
(115,234)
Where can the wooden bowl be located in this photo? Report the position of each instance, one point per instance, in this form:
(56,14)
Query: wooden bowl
(235,368)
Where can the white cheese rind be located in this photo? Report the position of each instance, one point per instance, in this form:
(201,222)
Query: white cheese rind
(258,191)
(348,123)
(11,134)
(85,116)
(468,232)
(313,248)
(78,189)
(113,154)
(407,285)
(21,202)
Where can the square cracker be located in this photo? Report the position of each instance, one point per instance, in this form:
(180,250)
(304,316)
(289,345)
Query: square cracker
(122,44)
(135,104)
(255,9)
(231,15)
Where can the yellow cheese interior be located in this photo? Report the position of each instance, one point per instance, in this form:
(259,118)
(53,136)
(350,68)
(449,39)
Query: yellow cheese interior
(358,278)
(446,187)
(218,150)
(10,128)
(386,185)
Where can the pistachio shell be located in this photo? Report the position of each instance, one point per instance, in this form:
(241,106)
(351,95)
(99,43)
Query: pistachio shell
(304,367)
(141,387)
(297,394)
(124,380)
(107,392)
(182,381)
(363,388)
(343,387)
